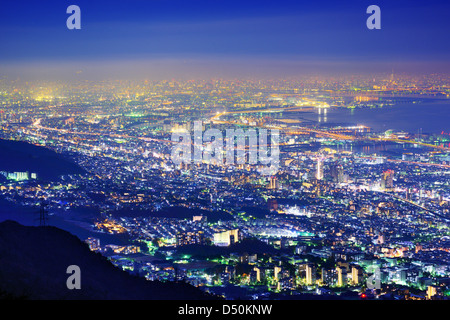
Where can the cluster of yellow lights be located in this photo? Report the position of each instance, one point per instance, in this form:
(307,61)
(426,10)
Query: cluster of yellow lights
(44,98)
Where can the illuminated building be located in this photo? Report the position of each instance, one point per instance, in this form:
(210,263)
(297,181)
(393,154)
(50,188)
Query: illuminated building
(337,173)
(110,226)
(310,274)
(432,291)
(276,271)
(329,277)
(408,194)
(226,238)
(94,243)
(186,238)
(341,276)
(319,171)
(357,275)
(123,249)
(199,218)
(19,176)
(387,180)
(273,183)
(257,274)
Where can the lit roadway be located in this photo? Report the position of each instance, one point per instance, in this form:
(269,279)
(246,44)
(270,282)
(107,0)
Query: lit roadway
(434,214)
(38,125)
(288,131)
(413,162)
(413,142)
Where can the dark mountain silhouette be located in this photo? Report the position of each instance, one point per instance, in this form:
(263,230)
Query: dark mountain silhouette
(34,260)
(23,156)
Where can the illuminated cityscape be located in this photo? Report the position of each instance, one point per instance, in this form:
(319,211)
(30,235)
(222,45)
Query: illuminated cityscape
(356,204)
(346,198)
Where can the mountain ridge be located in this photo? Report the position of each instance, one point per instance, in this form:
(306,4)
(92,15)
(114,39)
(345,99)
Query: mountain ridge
(23,156)
(34,260)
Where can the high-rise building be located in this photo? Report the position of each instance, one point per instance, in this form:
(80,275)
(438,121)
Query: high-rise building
(186,238)
(258,275)
(357,275)
(319,169)
(337,173)
(276,272)
(341,276)
(273,183)
(408,194)
(387,180)
(432,291)
(310,274)
(329,277)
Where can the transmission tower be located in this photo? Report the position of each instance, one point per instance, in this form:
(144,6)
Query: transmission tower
(43,217)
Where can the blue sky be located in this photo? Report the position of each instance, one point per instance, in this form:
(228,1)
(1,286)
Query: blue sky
(209,35)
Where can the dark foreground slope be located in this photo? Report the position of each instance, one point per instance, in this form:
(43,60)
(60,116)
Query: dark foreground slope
(34,260)
(24,156)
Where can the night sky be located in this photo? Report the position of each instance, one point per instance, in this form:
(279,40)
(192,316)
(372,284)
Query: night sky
(221,38)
